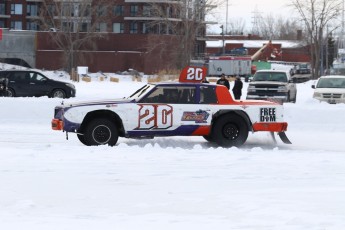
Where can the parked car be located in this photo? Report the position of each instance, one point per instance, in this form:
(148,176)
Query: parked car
(275,85)
(330,89)
(27,83)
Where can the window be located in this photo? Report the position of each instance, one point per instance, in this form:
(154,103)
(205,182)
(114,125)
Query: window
(31,26)
(146,28)
(134,11)
(133,28)
(118,28)
(2,24)
(101,27)
(67,10)
(17,9)
(102,10)
(84,27)
(173,95)
(31,10)
(2,8)
(147,11)
(118,10)
(208,95)
(16,25)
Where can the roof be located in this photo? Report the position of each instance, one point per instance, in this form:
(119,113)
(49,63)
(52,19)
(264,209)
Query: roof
(285,44)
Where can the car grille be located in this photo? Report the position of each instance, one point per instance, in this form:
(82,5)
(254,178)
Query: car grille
(266,90)
(331,95)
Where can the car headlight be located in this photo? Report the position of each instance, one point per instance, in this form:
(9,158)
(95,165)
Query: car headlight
(70,85)
(251,88)
(282,89)
(317,95)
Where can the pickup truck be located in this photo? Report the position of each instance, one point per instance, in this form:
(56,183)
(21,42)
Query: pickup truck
(184,108)
(276,85)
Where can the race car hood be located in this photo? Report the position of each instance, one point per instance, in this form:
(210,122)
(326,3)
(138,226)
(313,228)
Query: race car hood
(96,102)
(330,90)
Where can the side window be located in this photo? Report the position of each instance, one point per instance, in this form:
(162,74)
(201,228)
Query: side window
(171,95)
(208,95)
(154,97)
(36,77)
(21,77)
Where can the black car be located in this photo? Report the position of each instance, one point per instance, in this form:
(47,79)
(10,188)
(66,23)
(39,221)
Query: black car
(27,83)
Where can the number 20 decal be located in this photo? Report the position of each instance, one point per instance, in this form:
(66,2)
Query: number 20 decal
(155,117)
(194,73)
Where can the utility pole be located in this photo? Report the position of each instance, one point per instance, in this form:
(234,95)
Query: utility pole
(226,19)
(223,48)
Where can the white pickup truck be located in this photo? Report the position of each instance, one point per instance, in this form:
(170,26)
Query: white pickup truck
(277,85)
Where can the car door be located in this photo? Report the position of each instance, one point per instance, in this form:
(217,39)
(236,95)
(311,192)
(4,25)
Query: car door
(163,114)
(19,81)
(39,84)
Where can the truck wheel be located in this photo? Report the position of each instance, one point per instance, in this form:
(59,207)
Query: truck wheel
(101,132)
(230,130)
(81,138)
(208,138)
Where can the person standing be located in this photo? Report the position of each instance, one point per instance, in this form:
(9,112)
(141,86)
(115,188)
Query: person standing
(237,89)
(223,81)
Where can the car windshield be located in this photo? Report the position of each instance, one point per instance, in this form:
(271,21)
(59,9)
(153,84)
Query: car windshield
(140,92)
(270,76)
(331,83)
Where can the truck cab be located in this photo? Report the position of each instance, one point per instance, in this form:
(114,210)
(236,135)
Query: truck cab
(276,85)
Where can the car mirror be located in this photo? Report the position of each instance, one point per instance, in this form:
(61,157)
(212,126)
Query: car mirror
(313,86)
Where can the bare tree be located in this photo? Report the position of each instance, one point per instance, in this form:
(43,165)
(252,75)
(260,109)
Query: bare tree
(74,24)
(316,15)
(187,21)
(237,26)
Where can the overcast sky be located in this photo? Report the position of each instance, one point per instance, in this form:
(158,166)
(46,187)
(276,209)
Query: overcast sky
(246,9)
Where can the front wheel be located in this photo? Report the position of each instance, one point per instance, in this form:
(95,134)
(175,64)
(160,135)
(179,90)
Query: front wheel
(100,132)
(230,130)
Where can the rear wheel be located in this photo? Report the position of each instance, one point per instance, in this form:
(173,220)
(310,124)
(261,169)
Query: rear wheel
(10,93)
(58,93)
(230,130)
(208,138)
(100,132)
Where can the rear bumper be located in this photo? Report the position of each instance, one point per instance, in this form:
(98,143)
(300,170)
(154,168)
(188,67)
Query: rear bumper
(57,124)
(271,127)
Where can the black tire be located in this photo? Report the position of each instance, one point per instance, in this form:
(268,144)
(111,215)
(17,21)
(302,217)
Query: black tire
(208,138)
(10,93)
(58,93)
(230,130)
(100,132)
(81,138)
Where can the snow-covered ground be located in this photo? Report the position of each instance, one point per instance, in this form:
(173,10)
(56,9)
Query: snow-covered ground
(50,183)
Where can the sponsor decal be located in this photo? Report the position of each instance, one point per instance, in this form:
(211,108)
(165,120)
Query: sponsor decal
(199,116)
(268,114)
(155,117)
(112,105)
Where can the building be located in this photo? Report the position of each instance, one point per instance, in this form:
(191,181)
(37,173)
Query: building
(113,35)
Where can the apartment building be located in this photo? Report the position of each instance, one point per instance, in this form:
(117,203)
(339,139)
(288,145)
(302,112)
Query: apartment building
(128,29)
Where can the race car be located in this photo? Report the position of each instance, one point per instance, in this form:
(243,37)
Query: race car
(184,108)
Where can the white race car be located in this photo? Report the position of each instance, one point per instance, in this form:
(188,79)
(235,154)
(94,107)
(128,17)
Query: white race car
(184,108)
